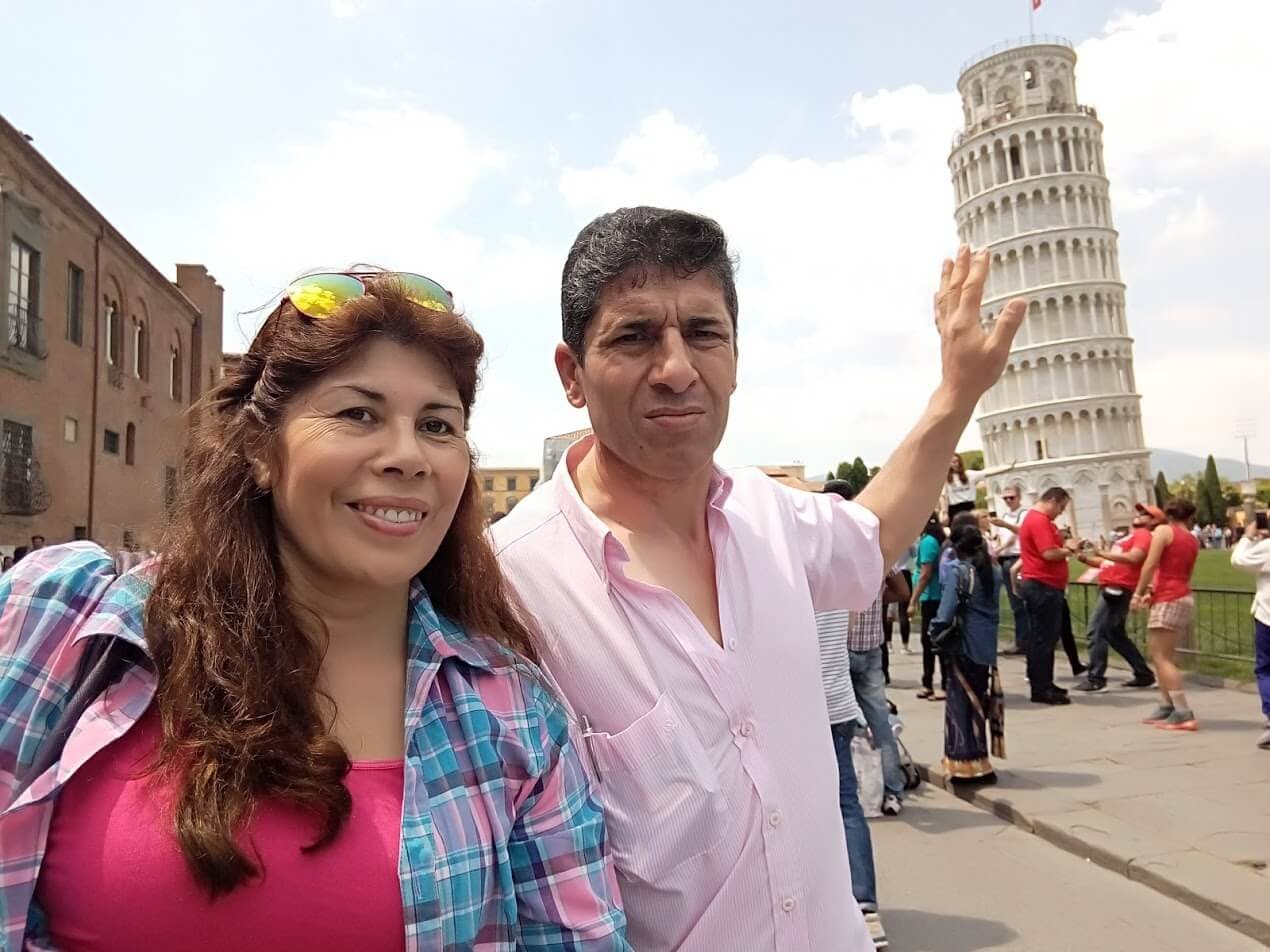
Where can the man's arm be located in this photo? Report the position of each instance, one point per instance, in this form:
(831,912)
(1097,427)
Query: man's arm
(904,492)
(1161,537)
(1132,557)
(923,579)
(1002,524)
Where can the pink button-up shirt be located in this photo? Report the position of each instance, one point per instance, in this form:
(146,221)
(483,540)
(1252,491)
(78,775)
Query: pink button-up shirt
(715,764)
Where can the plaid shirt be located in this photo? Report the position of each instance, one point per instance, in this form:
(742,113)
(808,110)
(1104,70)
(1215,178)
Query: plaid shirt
(485,739)
(864,630)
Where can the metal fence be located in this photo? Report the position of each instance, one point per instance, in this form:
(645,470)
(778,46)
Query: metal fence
(1222,641)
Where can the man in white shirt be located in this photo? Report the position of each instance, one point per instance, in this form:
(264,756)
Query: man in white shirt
(1008,521)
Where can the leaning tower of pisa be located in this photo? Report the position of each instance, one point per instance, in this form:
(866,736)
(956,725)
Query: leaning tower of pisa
(1030,185)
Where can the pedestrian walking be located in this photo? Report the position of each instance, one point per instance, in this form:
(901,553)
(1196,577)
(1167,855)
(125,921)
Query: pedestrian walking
(678,600)
(1118,570)
(1008,521)
(1164,587)
(1043,560)
(327,731)
(974,715)
(924,600)
(1252,554)
(897,610)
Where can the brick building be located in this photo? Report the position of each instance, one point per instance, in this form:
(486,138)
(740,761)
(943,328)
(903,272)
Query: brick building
(100,359)
(505,487)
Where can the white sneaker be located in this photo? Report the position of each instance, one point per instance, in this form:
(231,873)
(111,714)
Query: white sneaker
(908,650)
(892,805)
(1263,743)
(876,932)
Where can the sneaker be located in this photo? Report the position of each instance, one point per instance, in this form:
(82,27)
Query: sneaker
(892,805)
(908,650)
(876,932)
(1161,713)
(1264,741)
(1079,669)
(1140,681)
(1011,650)
(1179,720)
(1090,684)
(1053,697)
(925,694)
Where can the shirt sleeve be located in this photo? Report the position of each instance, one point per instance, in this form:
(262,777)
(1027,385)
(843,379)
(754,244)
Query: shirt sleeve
(43,601)
(1251,555)
(840,548)
(566,886)
(947,600)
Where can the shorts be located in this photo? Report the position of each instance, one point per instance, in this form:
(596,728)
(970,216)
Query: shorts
(1178,615)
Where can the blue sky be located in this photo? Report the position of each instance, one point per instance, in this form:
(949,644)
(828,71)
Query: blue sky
(471,140)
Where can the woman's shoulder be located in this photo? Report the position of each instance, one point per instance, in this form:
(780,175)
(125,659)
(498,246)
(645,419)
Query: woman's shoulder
(53,591)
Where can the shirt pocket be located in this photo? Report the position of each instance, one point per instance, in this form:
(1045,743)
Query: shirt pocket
(663,804)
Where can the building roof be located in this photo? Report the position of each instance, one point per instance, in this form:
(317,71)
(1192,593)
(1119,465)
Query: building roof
(572,435)
(18,141)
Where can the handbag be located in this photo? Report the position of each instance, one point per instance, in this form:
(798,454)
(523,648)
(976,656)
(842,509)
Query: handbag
(947,640)
(105,660)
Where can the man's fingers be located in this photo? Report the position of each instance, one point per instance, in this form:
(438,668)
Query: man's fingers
(961,267)
(945,275)
(976,278)
(1007,325)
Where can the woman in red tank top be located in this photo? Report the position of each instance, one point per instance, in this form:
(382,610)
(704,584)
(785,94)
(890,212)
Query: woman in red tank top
(1165,587)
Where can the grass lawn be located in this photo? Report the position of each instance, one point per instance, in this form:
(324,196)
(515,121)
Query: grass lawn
(1222,623)
(1212,570)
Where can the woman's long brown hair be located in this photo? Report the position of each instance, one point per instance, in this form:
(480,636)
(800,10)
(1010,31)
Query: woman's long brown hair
(238,688)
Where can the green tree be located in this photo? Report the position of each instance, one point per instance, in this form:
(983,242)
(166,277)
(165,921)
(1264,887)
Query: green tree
(1209,501)
(859,474)
(1161,489)
(973,459)
(844,471)
(830,476)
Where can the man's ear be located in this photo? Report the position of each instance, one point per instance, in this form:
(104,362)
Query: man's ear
(569,367)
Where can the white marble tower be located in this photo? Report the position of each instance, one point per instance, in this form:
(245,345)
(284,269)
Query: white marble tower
(1030,184)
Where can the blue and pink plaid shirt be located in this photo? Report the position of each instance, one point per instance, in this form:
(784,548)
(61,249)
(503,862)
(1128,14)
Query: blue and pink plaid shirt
(535,873)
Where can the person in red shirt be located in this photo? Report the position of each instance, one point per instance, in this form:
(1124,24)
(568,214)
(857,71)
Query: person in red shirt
(1165,587)
(1118,571)
(1043,556)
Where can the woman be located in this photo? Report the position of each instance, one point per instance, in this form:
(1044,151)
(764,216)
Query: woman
(974,717)
(925,596)
(1165,587)
(335,739)
(960,487)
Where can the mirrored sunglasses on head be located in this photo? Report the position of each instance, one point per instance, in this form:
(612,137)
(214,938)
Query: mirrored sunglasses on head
(318,296)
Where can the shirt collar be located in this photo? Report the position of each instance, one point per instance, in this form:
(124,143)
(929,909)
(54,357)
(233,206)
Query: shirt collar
(594,536)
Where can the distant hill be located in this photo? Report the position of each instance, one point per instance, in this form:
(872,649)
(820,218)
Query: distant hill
(1175,465)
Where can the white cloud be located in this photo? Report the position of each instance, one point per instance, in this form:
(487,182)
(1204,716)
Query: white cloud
(347,8)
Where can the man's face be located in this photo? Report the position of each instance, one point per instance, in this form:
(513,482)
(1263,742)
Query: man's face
(658,372)
(37,542)
(1011,497)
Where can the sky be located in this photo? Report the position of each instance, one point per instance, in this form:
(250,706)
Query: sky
(470,142)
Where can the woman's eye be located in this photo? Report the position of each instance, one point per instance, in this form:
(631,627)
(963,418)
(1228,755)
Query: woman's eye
(357,414)
(437,427)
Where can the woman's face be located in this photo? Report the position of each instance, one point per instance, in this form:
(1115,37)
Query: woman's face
(956,465)
(369,468)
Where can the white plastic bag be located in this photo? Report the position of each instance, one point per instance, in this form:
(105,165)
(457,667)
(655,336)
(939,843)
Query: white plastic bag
(867,761)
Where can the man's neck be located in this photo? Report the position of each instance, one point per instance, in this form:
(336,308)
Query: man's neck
(621,495)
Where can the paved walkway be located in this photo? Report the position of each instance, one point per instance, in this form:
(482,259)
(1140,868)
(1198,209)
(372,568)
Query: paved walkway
(952,878)
(1186,814)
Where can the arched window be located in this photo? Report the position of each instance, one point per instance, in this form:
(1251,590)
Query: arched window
(1030,79)
(130,445)
(138,339)
(114,335)
(174,371)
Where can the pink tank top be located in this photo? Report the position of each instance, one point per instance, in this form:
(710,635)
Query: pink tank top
(113,876)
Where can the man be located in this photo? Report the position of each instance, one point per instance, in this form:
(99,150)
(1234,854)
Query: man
(1043,556)
(1008,554)
(862,639)
(1118,571)
(37,542)
(1252,554)
(677,602)
(845,721)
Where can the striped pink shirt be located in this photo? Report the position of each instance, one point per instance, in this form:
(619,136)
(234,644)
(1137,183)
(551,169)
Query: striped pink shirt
(715,764)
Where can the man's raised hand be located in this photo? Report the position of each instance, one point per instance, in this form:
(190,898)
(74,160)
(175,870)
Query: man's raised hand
(972,358)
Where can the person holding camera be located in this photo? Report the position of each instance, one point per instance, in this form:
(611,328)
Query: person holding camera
(1252,553)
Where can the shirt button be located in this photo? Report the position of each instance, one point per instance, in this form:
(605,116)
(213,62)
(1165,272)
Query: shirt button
(789,903)
(774,819)
(747,728)
(732,644)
